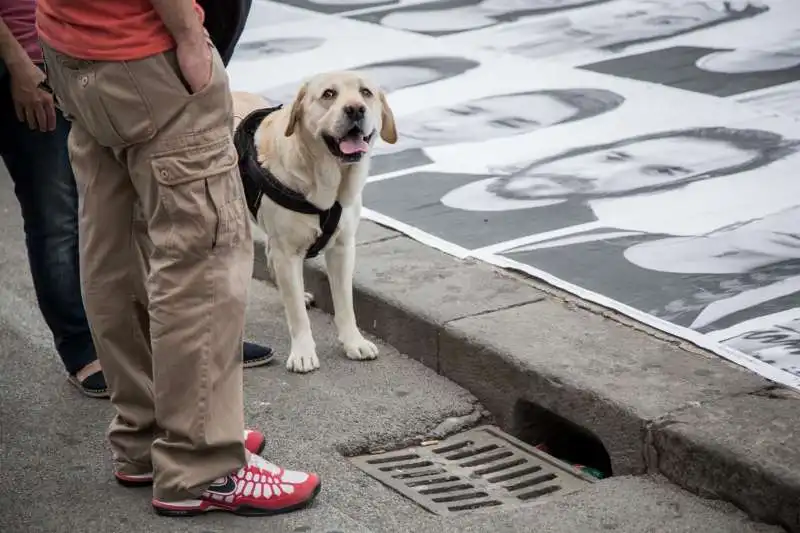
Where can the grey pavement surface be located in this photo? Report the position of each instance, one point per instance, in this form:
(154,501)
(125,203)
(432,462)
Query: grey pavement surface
(55,472)
(656,403)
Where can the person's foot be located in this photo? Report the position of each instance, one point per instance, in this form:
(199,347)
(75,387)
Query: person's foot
(254,442)
(260,488)
(90,381)
(256,354)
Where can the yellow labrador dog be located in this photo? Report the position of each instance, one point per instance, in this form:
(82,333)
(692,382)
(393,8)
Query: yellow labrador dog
(316,153)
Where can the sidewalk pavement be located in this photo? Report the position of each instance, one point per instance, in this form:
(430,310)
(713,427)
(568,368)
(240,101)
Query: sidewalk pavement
(464,320)
(657,403)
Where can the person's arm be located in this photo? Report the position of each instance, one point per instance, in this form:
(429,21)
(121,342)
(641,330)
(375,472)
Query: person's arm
(194,54)
(31,103)
(12,53)
(180,18)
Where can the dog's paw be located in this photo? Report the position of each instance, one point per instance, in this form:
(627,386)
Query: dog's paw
(360,349)
(308,298)
(302,361)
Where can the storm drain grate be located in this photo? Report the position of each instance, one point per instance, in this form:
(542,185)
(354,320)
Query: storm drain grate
(479,469)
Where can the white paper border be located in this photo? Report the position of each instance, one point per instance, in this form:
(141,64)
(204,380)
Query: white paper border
(699,339)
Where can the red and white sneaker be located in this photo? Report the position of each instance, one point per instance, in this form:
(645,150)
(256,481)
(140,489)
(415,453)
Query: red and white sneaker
(260,488)
(254,442)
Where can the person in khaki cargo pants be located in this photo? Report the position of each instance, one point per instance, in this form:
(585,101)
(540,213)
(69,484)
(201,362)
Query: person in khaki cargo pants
(33,146)
(151,141)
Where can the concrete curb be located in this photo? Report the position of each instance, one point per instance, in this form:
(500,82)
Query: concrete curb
(523,350)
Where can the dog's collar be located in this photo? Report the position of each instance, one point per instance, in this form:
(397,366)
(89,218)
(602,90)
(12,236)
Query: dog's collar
(259,181)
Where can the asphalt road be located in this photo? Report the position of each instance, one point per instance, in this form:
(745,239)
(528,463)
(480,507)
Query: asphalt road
(55,474)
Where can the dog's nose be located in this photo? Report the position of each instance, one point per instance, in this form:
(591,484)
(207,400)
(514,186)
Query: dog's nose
(355,112)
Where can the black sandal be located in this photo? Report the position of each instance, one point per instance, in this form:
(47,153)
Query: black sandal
(256,354)
(94,386)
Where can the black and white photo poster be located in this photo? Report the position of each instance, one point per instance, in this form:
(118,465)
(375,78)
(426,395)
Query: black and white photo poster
(755,53)
(616,27)
(641,154)
(447,17)
(688,223)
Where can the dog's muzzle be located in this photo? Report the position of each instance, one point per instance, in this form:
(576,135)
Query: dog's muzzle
(351,146)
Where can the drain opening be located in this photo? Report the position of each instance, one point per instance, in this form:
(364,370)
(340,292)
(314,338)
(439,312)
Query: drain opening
(500,467)
(460,497)
(424,473)
(405,466)
(476,505)
(449,488)
(471,452)
(532,481)
(561,438)
(537,493)
(433,481)
(480,468)
(514,474)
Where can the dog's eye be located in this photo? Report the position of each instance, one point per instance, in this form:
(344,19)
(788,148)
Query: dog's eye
(366,93)
(328,94)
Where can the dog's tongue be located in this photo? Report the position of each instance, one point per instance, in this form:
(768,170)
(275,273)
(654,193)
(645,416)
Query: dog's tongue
(353,145)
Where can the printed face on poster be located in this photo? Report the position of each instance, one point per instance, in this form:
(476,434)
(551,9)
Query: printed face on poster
(447,17)
(602,31)
(275,60)
(494,116)
(575,173)
(393,75)
(754,54)
(333,7)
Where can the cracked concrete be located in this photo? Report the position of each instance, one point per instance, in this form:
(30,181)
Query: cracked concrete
(490,311)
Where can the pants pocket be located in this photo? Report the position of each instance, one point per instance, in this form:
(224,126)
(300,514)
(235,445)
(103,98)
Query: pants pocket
(103,96)
(126,115)
(174,77)
(201,192)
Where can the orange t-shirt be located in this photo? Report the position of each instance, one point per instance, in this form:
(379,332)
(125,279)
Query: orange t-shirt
(104,30)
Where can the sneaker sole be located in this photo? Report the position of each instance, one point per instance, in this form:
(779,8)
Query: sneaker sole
(243,510)
(252,363)
(135,483)
(101,394)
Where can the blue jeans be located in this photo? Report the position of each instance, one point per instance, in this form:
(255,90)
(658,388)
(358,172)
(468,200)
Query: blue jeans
(45,187)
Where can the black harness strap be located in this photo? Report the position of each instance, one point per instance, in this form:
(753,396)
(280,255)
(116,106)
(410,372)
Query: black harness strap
(259,181)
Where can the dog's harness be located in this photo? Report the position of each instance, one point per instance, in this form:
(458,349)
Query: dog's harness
(259,181)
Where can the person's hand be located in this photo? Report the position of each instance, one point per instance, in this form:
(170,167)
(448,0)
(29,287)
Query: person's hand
(194,60)
(31,103)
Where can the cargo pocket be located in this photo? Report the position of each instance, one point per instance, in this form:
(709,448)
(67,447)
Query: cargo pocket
(200,192)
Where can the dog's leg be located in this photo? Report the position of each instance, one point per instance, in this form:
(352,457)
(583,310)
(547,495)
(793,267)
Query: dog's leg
(340,262)
(260,236)
(289,278)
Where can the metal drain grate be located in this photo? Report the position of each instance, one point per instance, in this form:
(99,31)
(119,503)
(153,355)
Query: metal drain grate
(479,469)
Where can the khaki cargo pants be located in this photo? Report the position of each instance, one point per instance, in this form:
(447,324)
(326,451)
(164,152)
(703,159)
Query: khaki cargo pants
(166,257)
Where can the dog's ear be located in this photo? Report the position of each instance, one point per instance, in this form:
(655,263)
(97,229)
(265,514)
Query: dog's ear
(388,127)
(297,110)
